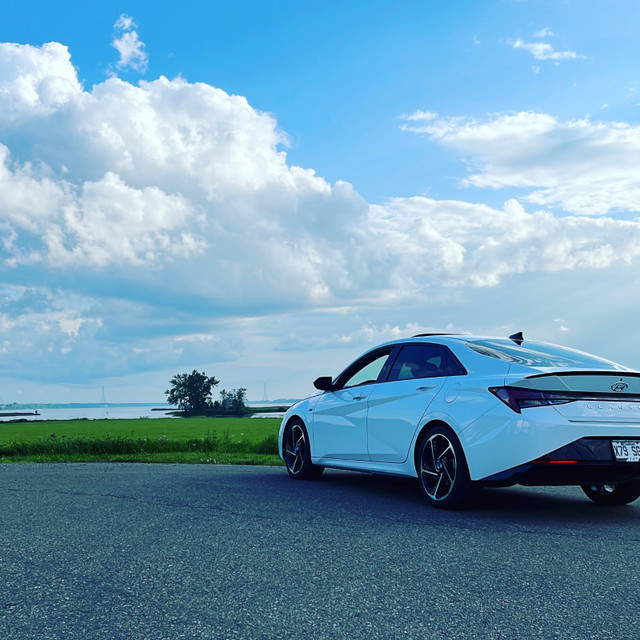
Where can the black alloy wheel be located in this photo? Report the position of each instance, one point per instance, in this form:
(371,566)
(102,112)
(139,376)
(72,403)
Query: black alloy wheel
(442,471)
(612,494)
(297,454)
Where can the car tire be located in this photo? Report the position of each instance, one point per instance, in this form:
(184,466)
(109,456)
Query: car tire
(443,473)
(612,494)
(297,453)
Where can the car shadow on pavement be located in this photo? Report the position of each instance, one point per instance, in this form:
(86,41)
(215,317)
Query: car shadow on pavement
(550,504)
(553,503)
(373,485)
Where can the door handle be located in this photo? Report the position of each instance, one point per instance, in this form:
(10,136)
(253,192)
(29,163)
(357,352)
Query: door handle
(426,387)
(358,397)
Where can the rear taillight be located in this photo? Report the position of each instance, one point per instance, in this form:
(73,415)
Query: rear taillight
(519,399)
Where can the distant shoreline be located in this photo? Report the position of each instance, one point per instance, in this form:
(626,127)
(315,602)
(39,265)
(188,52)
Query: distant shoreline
(79,405)
(157,406)
(15,414)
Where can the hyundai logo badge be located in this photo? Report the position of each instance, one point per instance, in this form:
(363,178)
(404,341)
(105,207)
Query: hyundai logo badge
(619,386)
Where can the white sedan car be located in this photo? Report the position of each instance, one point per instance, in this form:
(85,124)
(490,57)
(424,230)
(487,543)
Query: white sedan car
(461,412)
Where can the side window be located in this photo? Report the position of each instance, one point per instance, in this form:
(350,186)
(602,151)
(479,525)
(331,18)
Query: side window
(454,366)
(419,361)
(364,372)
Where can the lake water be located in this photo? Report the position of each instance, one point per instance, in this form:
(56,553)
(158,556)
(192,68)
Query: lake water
(101,412)
(91,413)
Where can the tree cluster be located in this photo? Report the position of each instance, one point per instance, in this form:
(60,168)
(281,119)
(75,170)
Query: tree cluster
(192,394)
(231,402)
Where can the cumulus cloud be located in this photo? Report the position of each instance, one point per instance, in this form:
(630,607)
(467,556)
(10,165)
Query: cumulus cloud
(582,166)
(138,223)
(459,243)
(167,171)
(99,224)
(35,80)
(128,44)
(170,192)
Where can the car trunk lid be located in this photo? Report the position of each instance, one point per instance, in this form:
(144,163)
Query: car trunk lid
(588,396)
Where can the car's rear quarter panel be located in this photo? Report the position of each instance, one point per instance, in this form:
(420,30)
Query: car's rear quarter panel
(501,439)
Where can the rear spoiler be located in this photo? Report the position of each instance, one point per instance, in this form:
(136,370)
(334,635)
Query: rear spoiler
(606,372)
(611,385)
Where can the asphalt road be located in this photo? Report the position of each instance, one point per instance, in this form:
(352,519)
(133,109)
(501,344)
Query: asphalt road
(165,551)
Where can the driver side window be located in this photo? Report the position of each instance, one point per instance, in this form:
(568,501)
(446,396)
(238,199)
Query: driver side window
(366,372)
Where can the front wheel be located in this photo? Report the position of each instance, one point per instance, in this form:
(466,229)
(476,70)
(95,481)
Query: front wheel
(442,471)
(297,453)
(612,494)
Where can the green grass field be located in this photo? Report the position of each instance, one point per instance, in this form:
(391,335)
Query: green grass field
(177,440)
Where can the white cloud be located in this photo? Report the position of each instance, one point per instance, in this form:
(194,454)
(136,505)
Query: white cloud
(421,116)
(35,80)
(129,46)
(545,51)
(70,339)
(582,166)
(124,23)
(96,225)
(151,219)
(458,243)
(367,334)
(543,33)
(154,173)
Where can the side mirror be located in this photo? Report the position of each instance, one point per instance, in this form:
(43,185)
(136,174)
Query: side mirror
(324,383)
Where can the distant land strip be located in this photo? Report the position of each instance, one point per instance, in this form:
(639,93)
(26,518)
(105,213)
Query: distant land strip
(15,406)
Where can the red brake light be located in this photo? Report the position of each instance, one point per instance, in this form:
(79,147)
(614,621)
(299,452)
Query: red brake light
(541,461)
(517,399)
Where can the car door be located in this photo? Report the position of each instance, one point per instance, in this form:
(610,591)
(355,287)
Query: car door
(339,418)
(397,405)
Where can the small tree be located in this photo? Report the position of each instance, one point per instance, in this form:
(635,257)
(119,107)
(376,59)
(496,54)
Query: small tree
(191,392)
(237,403)
(232,402)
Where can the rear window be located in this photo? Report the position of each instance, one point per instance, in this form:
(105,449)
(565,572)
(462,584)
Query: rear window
(539,354)
(419,361)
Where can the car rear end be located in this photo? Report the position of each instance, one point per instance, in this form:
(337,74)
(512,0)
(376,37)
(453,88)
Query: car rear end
(571,427)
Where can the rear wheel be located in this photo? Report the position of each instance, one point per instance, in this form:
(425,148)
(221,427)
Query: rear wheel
(297,453)
(442,471)
(612,494)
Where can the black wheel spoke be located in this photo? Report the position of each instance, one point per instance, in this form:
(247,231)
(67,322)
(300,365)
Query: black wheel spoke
(451,473)
(444,453)
(433,454)
(437,487)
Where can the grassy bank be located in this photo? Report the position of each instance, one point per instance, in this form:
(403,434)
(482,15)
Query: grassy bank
(182,440)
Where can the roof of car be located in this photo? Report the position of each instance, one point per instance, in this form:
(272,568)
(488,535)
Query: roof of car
(518,338)
(455,337)
(440,337)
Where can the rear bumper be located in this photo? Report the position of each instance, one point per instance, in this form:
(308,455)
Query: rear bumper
(585,461)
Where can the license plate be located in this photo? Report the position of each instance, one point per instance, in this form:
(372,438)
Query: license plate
(626,450)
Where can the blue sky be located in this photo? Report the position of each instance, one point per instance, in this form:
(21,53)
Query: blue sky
(263,190)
